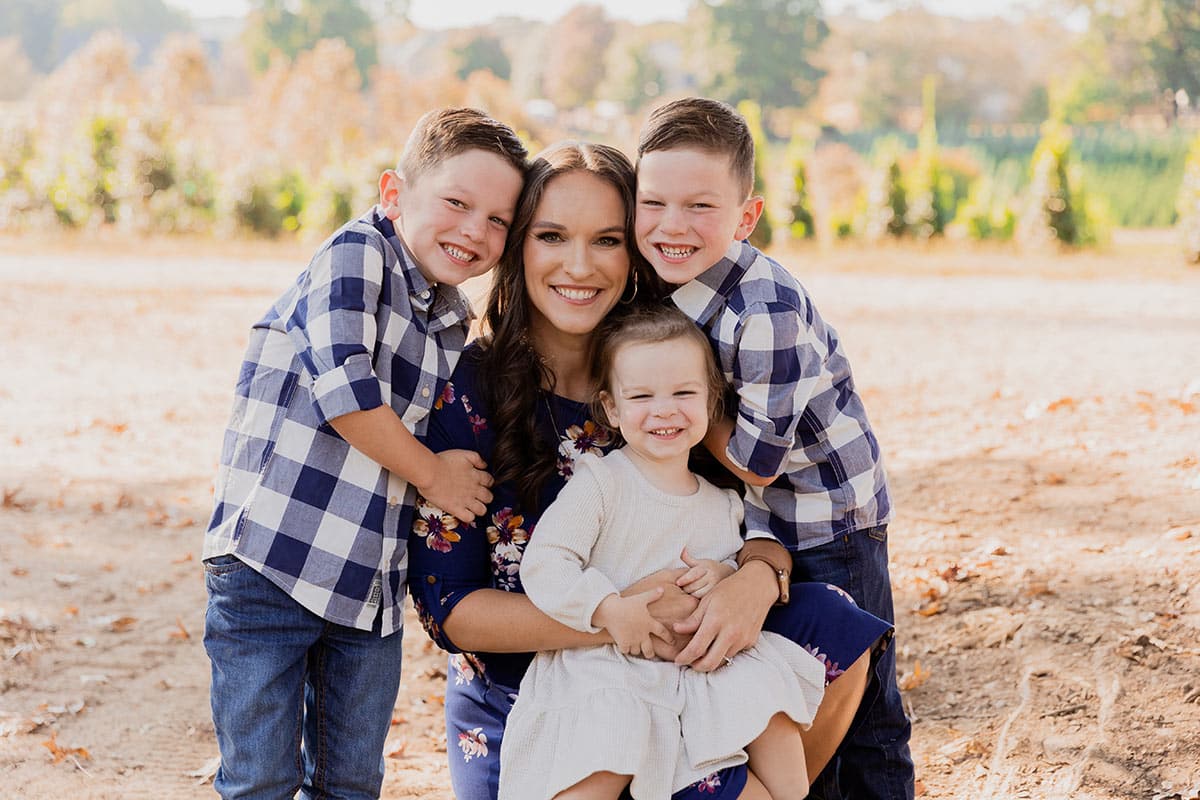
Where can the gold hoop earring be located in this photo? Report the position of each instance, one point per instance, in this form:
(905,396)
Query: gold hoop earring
(633,294)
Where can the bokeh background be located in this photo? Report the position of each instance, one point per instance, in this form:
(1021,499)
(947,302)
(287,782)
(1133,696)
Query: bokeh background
(1050,125)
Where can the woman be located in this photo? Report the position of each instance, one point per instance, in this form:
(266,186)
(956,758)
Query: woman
(520,397)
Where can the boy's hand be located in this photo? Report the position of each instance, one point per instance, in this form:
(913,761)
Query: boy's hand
(460,485)
(703,574)
(630,624)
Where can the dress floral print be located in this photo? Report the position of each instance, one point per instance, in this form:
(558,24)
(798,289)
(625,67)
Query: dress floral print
(448,560)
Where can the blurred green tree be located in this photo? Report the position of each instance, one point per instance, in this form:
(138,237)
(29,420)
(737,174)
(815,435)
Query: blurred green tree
(284,26)
(764,232)
(145,22)
(575,60)
(483,52)
(762,50)
(634,75)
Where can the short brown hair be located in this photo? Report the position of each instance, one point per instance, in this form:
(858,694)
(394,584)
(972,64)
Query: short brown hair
(703,124)
(444,133)
(651,325)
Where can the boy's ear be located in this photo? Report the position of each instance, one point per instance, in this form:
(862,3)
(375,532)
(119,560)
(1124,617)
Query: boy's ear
(391,186)
(752,209)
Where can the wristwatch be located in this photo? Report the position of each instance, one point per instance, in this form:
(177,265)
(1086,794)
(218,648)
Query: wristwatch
(781,575)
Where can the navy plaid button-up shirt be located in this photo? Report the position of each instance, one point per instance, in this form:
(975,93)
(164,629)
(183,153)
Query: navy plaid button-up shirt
(797,411)
(360,327)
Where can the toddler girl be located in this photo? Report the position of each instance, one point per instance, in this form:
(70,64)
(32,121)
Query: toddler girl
(589,722)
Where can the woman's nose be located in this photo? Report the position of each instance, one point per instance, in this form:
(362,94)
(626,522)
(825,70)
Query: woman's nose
(577,263)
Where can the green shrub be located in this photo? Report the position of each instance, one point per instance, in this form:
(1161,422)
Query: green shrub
(1050,214)
(800,224)
(763,233)
(885,210)
(987,212)
(266,199)
(19,198)
(1188,205)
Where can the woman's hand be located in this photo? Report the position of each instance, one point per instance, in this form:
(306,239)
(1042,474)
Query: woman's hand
(703,574)
(729,618)
(630,623)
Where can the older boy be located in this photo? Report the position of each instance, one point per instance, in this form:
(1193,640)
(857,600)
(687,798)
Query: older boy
(801,440)
(305,556)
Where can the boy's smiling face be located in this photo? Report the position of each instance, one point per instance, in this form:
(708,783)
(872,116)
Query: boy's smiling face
(690,208)
(453,219)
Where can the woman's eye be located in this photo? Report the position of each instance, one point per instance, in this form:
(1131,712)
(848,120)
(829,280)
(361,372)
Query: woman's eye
(610,241)
(550,237)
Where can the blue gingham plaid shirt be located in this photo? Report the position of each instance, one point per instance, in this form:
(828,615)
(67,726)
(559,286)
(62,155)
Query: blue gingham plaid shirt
(797,410)
(360,327)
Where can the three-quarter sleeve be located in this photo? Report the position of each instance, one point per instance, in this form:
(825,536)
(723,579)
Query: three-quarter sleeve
(447,558)
(333,326)
(775,373)
(554,568)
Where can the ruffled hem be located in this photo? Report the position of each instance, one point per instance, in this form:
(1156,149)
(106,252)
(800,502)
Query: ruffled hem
(728,708)
(547,750)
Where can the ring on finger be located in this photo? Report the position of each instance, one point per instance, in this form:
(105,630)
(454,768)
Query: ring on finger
(727,660)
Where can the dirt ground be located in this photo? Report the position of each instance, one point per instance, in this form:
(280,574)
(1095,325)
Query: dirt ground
(1038,416)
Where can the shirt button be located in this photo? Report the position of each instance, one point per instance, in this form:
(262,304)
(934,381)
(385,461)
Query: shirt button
(392,500)
(430,579)
(425,392)
(424,295)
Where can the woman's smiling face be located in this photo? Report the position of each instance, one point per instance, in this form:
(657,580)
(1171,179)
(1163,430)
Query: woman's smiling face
(576,261)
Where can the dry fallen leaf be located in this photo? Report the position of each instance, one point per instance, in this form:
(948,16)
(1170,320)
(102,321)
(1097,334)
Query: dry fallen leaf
(206,772)
(182,633)
(933,608)
(398,751)
(10,500)
(911,680)
(59,752)
(1062,402)
(1054,479)
(183,559)
(122,624)
(20,572)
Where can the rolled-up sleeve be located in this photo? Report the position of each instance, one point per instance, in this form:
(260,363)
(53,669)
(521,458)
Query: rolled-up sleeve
(776,371)
(333,326)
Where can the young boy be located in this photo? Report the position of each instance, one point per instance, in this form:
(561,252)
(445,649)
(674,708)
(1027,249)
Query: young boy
(801,440)
(305,556)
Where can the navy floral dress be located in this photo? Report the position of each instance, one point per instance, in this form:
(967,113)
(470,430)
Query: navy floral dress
(449,559)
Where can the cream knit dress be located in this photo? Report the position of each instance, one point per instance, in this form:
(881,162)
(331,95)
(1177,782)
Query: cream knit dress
(588,709)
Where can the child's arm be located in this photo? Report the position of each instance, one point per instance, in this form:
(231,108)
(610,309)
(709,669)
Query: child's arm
(776,369)
(716,441)
(453,480)
(630,623)
(335,333)
(558,575)
(702,575)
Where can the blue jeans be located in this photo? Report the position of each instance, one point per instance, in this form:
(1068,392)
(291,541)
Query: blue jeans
(873,761)
(298,703)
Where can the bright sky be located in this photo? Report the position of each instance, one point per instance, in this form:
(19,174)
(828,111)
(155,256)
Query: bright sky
(440,14)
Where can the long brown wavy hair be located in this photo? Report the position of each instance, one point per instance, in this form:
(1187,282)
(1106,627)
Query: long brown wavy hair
(513,373)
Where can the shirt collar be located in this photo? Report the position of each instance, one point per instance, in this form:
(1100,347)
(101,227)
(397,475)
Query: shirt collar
(700,297)
(446,304)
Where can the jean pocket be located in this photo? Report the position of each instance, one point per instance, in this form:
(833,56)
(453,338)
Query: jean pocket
(223,565)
